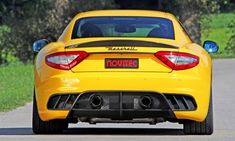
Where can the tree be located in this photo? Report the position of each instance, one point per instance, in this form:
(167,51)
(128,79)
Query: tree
(4,51)
(188,11)
(31,20)
(230,47)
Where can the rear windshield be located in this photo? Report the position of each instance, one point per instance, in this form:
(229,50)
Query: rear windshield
(123,27)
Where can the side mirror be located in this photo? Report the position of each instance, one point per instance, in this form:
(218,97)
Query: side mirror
(210,46)
(39,44)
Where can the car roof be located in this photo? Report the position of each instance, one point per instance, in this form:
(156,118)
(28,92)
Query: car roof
(144,13)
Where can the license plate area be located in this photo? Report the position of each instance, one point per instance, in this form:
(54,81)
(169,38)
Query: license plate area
(123,63)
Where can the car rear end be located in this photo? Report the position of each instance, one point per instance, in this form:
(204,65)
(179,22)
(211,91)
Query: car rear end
(121,79)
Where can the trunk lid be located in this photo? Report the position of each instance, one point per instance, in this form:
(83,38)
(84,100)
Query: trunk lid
(123,53)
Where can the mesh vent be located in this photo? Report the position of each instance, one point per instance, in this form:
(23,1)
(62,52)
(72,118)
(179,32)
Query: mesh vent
(181,102)
(61,102)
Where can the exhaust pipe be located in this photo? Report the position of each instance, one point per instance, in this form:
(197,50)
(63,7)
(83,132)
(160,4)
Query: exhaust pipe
(96,101)
(146,102)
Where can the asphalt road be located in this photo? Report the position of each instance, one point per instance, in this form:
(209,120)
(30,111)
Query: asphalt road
(16,125)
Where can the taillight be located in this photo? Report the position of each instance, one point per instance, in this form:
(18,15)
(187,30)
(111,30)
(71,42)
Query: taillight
(177,60)
(65,60)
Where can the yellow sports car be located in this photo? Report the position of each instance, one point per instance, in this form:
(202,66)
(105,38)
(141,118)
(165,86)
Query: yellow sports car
(114,66)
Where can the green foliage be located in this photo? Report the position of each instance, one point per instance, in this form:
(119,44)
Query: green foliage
(190,11)
(226,5)
(230,48)
(4,49)
(16,85)
(31,20)
(215,27)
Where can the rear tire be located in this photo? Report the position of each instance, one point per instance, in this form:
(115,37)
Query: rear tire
(46,127)
(201,128)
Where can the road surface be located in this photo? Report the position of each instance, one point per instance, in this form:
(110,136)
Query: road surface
(16,125)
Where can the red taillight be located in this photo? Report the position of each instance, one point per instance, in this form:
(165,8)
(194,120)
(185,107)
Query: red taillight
(177,60)
(65,60)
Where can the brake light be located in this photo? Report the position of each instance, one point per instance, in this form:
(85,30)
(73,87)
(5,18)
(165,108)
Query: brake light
(178,60)
(65,60)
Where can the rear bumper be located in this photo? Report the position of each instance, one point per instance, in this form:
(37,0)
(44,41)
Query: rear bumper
(121,104)
(195,86)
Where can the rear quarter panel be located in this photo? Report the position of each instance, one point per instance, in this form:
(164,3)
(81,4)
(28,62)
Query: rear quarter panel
(203,90)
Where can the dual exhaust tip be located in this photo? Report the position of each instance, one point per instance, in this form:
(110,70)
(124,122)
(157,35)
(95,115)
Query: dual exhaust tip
(97,101)
(146,102)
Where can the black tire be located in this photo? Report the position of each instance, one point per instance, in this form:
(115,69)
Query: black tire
(201,128)
(49,127)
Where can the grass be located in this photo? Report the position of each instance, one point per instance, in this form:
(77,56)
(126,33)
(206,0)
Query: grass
(217,30)
(16,86)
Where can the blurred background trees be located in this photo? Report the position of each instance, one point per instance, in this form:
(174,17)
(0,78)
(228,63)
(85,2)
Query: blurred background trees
(24,21)
(230,47)
(30,20)
(188,11)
